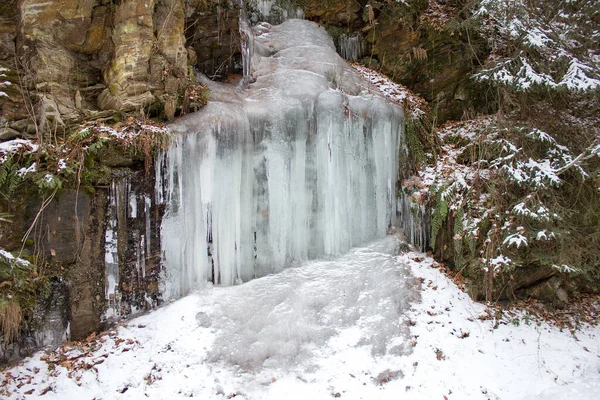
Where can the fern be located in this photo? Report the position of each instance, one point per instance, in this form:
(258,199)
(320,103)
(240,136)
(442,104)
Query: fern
(443,207)
(437,219)
(81,135)
(458,234)
(96,146)
(412,139)
(9,178)
(48,183)
(6,217)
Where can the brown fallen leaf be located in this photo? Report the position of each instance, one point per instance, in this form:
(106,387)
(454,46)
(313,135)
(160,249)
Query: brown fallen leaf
(46,390)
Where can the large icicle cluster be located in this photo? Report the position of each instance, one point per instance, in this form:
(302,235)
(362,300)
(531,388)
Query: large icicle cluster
(300,165)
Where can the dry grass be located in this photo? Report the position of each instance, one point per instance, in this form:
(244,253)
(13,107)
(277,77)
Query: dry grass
(10,320)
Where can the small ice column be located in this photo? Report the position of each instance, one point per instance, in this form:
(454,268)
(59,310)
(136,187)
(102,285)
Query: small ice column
(276,11)
(414,221)
(206,231)
(246,44)
(132,204)
(352,47)
(264,6)
(141,258)
(147,207)
(111,253)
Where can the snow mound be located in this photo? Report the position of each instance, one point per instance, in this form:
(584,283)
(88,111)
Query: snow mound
(283,319)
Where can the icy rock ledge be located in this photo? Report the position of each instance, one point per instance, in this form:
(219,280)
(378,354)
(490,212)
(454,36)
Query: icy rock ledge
(301,164)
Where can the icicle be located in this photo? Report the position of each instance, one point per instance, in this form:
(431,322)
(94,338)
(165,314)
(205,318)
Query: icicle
(277,12)
(351,47)
(147,206)
(247,46)
(132,204)
(111,253)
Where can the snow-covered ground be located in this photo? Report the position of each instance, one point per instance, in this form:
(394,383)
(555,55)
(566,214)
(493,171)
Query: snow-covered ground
(368,325)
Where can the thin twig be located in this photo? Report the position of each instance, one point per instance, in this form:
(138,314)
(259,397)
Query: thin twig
(45,204)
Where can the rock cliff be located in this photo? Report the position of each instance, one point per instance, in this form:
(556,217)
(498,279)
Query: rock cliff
(64,62)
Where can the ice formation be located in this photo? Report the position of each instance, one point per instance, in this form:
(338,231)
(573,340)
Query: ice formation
(282,320)
(301,164)
(128,245)
(111,253)
(352,47)
(274,11)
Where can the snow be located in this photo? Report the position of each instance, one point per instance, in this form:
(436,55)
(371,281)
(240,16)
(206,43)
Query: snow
(540,135)
(537,38)
(393,91)
(545,235)
(4,83)
(62,165)
(12,146)
(515,239)
(367,325)
(500,261)
(546,45)
(8,256)
(564,268)
(576,77)
(15,145)
(130,130)
(26,170)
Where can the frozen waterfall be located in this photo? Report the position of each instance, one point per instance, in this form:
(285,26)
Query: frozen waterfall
(301,164)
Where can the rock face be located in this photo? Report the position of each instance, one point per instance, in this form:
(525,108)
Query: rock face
(339,13)
(78,238)
(412,43)
(77,60)
(149,61)
(55,58)
(214,39)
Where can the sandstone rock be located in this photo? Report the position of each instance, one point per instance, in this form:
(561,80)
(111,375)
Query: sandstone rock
(122,102)
(78,100)
(169,108)
(550,291)
(66,50)
(192,56)
(49,120)
(126,74)
(7,133)
(50,36)
(20,125)
(339,13)
(8,33)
